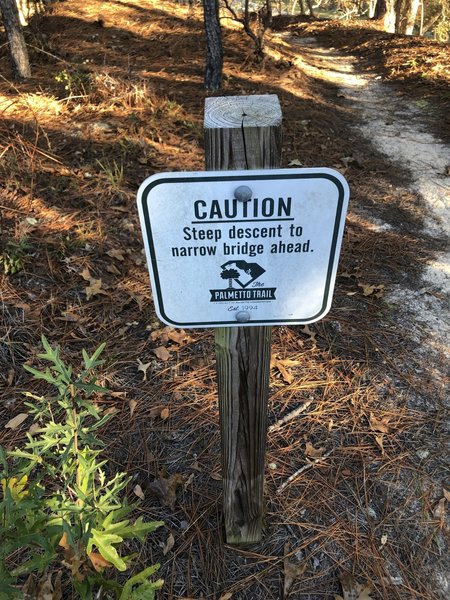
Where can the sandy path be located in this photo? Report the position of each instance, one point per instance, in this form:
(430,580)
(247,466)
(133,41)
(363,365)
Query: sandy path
(396,128)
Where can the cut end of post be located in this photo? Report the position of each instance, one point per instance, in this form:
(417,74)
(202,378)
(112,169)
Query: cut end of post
(242,111)
(242,132)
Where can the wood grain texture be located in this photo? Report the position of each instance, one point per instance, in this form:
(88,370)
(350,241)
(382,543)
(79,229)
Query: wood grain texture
(243,363)
(243,132)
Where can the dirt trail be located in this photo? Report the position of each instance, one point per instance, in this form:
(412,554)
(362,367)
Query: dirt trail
(396,127)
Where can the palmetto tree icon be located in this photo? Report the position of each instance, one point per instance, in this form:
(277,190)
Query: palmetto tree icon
(230,274)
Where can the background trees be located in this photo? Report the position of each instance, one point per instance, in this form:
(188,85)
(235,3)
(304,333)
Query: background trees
(409,17)
(17,46)
(214,51)
(255,18)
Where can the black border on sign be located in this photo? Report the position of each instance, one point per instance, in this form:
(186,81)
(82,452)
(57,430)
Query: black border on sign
(245,178)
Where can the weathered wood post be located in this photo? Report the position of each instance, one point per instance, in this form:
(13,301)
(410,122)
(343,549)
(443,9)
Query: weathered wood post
(192,222)
(243,132)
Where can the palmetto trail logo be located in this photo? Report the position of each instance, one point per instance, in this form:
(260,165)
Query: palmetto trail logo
(240,275)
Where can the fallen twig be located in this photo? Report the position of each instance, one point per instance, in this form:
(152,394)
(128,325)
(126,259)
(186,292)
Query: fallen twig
(302,470)
(294,413)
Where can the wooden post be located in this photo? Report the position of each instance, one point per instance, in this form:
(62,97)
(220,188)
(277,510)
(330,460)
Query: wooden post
(243,132)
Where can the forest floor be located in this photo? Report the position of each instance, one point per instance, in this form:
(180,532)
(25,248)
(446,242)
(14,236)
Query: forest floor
(117,95)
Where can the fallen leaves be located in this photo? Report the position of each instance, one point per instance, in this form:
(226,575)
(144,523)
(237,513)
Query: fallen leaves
(306,329)
(98,562)
(189,481)
(94,289)
(95,286)
(372,290)
(376,290)
(170,543)
(439,511)
(132,404)
(138,298)
(162,353)
(292,571)
(169,334)
(166,489)
(379,439)
(173,338)
(381,425)
(353,590)
(165,414)
(158,412)
(113,269)
(69,317)
(137,490)
(116,253)
(45,588)
(314,453)
(74,558)
(281,364)
(16,421)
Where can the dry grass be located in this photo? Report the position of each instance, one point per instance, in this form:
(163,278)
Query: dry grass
(72,160)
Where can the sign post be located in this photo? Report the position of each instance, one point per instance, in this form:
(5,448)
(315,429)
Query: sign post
(240,248)
(243,133)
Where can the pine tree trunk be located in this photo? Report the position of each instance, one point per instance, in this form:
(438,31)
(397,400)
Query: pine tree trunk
(214,50)
(379,10)
(310,7)
(17,47)
(390,16)
(411,16)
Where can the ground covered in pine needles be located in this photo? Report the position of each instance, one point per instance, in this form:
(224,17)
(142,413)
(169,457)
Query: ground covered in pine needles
(116,95)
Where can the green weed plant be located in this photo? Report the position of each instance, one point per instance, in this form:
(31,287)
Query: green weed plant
(59,511)
(14,257)
(75,82)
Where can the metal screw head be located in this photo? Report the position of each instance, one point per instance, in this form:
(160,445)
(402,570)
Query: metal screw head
(243,193)
(243,316)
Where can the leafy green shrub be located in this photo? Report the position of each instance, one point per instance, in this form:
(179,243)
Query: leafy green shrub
(13,259)
(75,81)
(58,507)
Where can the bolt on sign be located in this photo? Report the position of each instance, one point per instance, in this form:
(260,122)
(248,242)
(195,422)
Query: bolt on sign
(243,247)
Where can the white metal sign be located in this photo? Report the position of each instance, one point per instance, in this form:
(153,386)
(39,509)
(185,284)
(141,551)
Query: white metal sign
(243,247)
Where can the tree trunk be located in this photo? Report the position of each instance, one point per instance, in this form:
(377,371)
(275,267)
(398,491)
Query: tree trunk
(310,6)
(17,46)
(411,16)
(390,16)
(405,15)
(431,22)
(421,19)
(379,10)
(214,50)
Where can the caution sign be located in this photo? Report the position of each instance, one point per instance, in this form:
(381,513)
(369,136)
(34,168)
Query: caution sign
(234,247)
